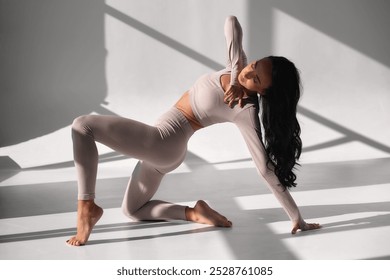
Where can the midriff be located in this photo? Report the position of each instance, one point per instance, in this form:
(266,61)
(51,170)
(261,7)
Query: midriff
(184,106)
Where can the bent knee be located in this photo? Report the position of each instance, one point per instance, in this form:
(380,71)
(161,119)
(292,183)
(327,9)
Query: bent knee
(81,125)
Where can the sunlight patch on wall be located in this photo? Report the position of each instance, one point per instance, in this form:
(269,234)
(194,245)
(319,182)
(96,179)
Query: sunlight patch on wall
(340,83)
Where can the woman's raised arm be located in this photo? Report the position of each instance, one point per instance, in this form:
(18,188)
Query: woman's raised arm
(236,56)
(236,60)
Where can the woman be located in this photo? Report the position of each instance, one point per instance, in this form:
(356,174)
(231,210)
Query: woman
(162,148)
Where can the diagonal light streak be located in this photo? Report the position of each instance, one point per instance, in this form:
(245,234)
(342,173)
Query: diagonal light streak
(352,135)
(162,38)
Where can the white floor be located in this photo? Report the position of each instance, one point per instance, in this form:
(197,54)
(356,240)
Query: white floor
(351,199)
(344,185)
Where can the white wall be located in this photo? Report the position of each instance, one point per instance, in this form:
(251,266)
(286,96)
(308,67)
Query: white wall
(60,59)
(157,49)
(347,91)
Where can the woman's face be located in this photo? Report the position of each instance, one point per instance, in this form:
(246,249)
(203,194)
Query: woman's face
(257,76)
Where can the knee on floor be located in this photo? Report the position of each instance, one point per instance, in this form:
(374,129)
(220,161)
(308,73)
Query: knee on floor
(130,213)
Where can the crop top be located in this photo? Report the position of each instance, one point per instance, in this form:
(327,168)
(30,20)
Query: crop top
(207,103)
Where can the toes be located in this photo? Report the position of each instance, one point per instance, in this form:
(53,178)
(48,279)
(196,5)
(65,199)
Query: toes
(317,226)
(74,242)
(226,222)
(70,242)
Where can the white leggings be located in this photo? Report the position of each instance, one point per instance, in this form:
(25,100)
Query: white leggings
(160,149)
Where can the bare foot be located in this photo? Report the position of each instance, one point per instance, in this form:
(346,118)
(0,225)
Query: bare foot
(88,214)
(305,227)
(202,213)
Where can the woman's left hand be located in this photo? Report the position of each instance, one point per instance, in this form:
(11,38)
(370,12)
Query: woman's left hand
(234,94)
(305,227)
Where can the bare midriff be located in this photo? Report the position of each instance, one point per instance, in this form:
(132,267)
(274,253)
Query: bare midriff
(184,106)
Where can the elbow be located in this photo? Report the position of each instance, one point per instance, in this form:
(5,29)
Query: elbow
(270,177)
(264,171)
(231,19)
(233,28)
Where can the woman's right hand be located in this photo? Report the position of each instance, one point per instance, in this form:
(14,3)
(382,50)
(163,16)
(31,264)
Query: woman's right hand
(234,94)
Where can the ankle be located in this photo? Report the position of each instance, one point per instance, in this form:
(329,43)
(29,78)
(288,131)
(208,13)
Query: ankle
(86,204)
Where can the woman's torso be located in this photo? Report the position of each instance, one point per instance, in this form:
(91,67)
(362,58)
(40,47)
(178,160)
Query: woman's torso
(204,105)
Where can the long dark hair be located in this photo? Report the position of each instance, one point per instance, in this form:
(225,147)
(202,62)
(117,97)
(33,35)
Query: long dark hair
(279,117)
